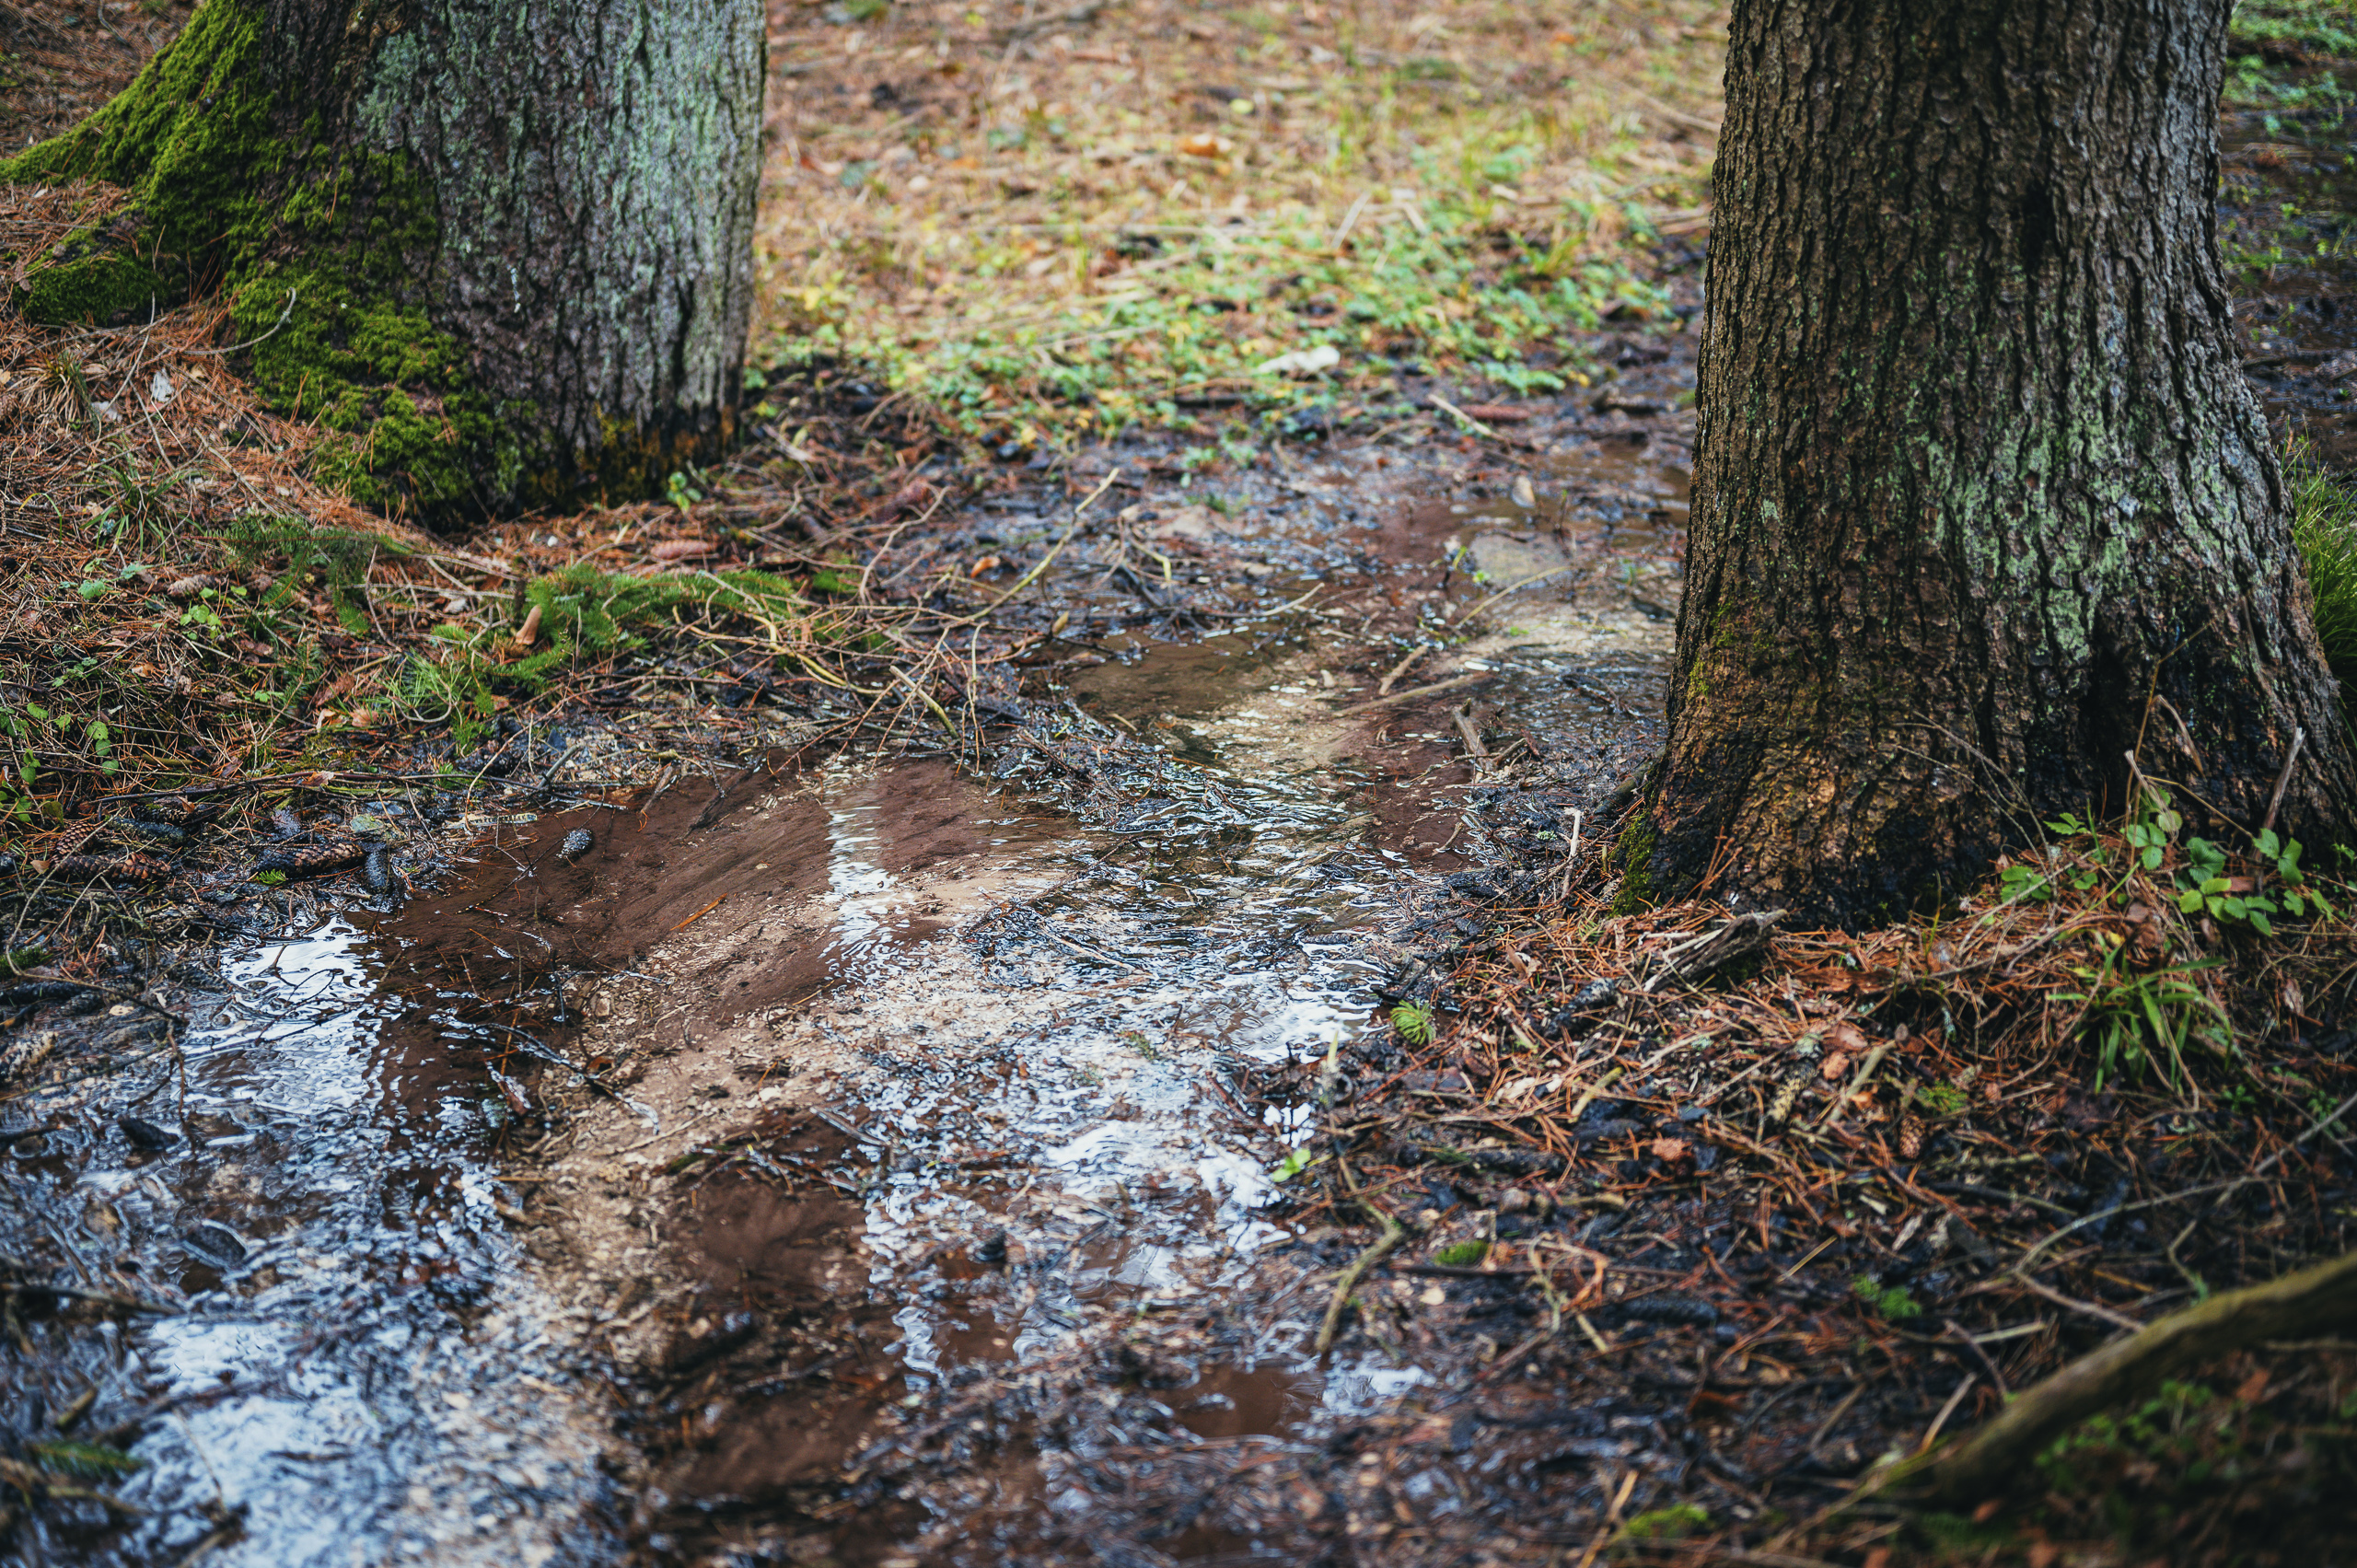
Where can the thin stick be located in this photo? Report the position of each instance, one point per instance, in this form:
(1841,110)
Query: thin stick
(1383,688)
(1865,1073)
(1512,587)
(1413,692)
(1947,1409)
(1612,1517)
(1466,419)
(2283,779)
(1350,219)
(1057,549)
(701,913)
(1463,719)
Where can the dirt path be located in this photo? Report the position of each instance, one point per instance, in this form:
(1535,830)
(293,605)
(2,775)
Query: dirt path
(848,1161)
(969,1100)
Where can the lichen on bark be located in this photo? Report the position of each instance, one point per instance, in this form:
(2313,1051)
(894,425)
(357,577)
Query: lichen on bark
(1978,486)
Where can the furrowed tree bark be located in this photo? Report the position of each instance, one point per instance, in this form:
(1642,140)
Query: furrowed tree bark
(503,252)
(1981,503)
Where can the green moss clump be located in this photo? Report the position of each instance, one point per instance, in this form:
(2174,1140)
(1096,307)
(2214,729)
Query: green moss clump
(95,276)
(588,612)
(1634,853)
(1674,1523)
(192,136)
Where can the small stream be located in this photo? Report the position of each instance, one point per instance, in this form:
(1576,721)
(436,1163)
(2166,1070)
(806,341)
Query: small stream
(1069,1032)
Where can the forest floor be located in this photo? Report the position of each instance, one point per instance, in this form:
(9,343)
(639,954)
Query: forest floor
(827,1018)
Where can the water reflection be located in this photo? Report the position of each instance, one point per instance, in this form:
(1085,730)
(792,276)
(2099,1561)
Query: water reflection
(361,1374)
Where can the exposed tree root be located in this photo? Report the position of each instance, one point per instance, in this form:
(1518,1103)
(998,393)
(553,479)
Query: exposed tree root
(1985,1460)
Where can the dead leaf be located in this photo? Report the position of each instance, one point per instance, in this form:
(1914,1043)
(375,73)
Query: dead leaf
(681,549)
(1204,144)
(1835,1068)
(1668,1150)
(987,563)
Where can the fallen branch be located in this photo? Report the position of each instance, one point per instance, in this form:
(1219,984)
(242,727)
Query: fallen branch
(1348,1280)
(2295,1306)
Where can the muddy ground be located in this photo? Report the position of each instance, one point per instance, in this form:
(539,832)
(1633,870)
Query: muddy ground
(869,1159)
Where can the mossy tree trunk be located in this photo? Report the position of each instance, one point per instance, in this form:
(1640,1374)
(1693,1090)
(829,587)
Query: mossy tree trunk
(505,251)
(1981,503)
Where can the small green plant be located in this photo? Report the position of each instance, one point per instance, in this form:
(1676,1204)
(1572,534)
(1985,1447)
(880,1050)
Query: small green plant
(1414,1022)
(89,1461)
(1887,1302)
(1462,1254)
(2138,1018)
(1674,1523)
(1942,1099)
(2206,889)
(1294,1164)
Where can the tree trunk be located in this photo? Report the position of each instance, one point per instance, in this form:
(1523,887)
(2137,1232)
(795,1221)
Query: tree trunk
(503,251)
(1981,503)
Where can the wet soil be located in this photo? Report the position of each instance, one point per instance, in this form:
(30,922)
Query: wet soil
(2286,196)
(863,1160)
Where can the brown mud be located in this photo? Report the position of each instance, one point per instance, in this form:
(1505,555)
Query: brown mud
(859,1160)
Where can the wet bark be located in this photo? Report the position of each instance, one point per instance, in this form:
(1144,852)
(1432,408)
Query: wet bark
(1981,503)
(506,249)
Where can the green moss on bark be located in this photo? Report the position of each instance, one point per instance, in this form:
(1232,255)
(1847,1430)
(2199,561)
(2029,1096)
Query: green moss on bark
(192,136)
(319,253)
(102,289)
(1634,853)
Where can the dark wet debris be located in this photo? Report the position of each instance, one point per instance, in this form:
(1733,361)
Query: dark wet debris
(147,1134)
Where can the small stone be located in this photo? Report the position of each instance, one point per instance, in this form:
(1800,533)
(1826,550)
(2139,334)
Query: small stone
(577,843)
(146,1133)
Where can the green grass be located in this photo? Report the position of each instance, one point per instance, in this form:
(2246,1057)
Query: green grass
(2313,27)
(2320,30)
(1118,229)
(1466,292)
(2324,525)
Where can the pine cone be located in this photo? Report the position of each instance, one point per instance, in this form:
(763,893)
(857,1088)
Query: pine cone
(111,868)
(309,860)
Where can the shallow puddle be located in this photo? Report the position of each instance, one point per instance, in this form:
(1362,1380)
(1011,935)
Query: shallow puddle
(358,1371)
(682,1190)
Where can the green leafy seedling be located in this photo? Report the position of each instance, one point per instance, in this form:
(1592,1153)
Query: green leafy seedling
(1294,1164)
(1414,1022)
